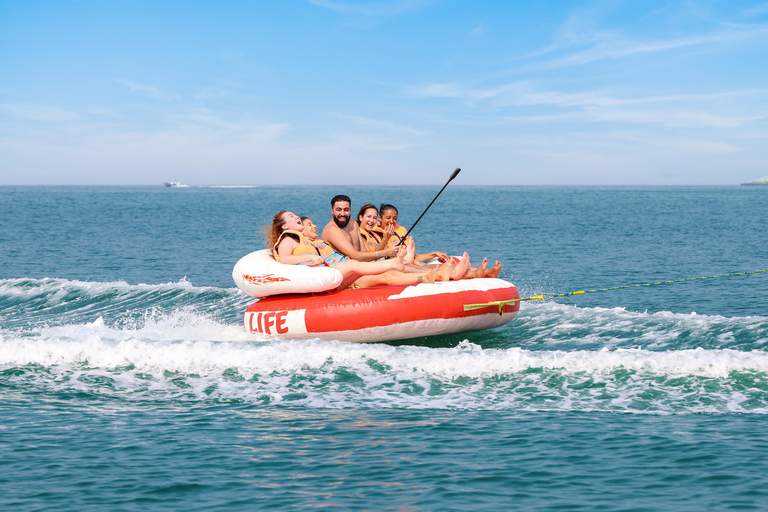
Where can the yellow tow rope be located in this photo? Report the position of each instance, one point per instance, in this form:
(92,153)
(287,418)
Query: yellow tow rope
(502,303)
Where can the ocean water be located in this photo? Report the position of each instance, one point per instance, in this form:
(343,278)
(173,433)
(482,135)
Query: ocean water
(128,383)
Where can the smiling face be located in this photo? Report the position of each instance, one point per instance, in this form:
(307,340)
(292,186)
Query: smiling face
(388,217)
(292,221)
(310,230)
(341,212)
(368,219)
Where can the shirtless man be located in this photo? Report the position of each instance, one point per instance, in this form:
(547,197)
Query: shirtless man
(342,233)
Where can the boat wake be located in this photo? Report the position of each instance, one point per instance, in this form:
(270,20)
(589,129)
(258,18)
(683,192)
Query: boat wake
(175,341)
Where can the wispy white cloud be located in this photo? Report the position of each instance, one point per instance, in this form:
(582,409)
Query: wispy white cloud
(619,48)
(198,153)
(220,121)
(436,91)
(642,157)
(756,10)
(585,37)
(526,93)
(477,31)
(387,125)
(665,117)
(101,111)
(147,90)
(37,112)
(628,143)
(674,110)
(212,92)
(221,88)
(206,145)
(382,8)
(700,147)
(357,142)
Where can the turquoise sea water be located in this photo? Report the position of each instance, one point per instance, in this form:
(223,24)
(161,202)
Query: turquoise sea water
(128,383)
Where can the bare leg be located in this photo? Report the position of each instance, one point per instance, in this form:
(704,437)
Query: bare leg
(411,264)
(461,268)
(394,277)
(417,268)
(352,270)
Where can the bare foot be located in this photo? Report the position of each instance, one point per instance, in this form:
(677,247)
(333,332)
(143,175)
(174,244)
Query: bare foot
(445,270)
(494,272)
(429,277)
(410,250)
(399,265)
(461,268)
(478,272)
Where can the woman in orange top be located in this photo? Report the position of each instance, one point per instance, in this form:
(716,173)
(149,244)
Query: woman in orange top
(370,237)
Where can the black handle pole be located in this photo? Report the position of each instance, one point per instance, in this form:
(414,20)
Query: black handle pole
(455,173)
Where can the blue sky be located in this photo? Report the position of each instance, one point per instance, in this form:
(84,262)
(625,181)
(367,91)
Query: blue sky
(383,92)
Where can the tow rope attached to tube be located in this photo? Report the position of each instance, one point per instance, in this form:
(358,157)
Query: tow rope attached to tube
(545,296)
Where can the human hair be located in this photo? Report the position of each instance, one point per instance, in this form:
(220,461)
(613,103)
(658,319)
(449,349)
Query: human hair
(365,208)
(386,207)
(274,230)
(340,197)
(303,218)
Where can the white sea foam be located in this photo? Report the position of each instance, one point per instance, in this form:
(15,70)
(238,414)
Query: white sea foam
(180,334)
(332,374)
(185,324)
(169,342)
(47,285)
(27,302)
(553,323)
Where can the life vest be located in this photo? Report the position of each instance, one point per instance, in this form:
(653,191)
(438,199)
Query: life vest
(371,239)
(393,241)
(306,245)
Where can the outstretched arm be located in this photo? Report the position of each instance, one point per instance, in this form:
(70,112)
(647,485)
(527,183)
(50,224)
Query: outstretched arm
(340,241)
(432,255)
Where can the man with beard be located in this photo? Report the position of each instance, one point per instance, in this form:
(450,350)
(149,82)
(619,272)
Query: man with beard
(342,233)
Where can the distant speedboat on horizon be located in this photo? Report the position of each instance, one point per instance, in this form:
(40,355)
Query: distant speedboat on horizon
(174,183)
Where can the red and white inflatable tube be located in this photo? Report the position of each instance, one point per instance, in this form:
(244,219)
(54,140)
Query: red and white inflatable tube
(259,275)
(383,313)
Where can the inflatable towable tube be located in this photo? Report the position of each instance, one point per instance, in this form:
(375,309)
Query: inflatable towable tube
(259,275)
(383,313)
(362,315)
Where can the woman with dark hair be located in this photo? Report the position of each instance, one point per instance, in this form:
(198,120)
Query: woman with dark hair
(372,238)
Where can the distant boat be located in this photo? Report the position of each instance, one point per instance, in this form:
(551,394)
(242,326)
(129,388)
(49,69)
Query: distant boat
(174,183)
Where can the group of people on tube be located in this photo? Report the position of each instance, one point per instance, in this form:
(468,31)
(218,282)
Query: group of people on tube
(369,251)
